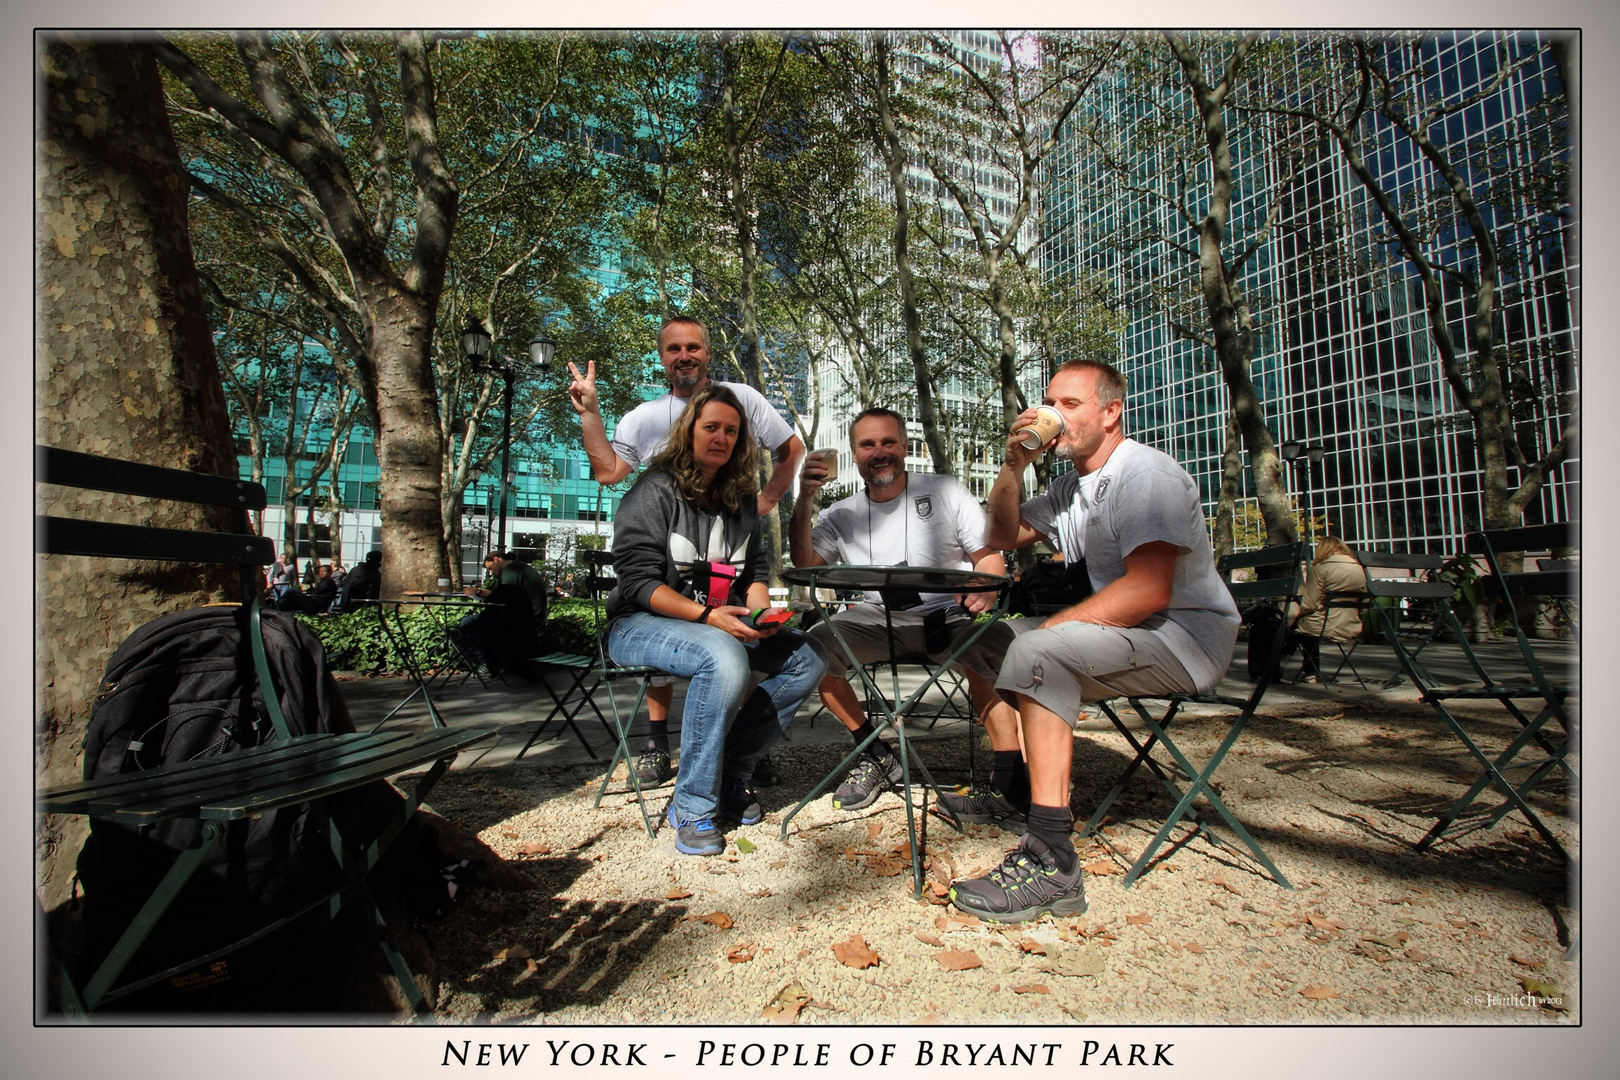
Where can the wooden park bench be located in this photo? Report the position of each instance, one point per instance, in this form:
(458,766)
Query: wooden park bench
(287,770)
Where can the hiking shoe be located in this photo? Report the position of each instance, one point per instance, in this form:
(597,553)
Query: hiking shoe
(766,774)
(987,806)
(738,803)
(698,837)
(869,778)
(1027,885)
(653,767)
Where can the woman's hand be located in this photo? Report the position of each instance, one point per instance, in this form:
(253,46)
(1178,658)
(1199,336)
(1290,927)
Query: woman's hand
(729,618)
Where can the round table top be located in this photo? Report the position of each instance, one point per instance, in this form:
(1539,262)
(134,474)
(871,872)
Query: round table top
(451,599)
(920,579)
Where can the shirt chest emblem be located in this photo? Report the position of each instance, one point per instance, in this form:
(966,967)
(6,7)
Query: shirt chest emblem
(925,506)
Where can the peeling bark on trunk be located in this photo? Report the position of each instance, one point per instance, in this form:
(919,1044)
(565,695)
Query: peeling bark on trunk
(124,366)
(1229,315)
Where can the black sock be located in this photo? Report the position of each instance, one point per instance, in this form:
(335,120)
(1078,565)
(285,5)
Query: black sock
(1010,776)
(658,734)
(878,749)
(1052,825)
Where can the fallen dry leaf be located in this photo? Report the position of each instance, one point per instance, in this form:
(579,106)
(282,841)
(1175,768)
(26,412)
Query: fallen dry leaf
(714,918)
(1524,961)
(535,848)
(956,922)
(740,954)
(1030,945)
(931,1018)
(788,1003)
(677,894)
(514,952)
(529,968)
(1220,879)
(904,851)
(510,834)
(938,888)
(1319,992)
(1033,988)
(1139,920)
(1322,922)
(1417,956)
(1373,952)
(1194,947)
(1389,941)
(884,865)
(929,939)
(958,959)
(874,830)
(854,953)
(1104,867)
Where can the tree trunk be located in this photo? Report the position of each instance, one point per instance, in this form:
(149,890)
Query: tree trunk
(124,367)
(894,158)
(1231,482)
(409,449)
(1228,310)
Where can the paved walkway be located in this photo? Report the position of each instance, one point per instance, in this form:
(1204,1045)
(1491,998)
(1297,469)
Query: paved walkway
(514,708)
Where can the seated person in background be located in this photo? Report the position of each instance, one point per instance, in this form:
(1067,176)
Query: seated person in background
(507,633)
(690,562)
(1336,571)
(325,590)
(317,601)
(364,582)
(902,519)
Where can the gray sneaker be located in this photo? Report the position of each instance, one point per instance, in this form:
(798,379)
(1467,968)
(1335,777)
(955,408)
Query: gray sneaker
(869,778)
(1027,885)
(653,766)
(986,806)
(698,837)
(738,803)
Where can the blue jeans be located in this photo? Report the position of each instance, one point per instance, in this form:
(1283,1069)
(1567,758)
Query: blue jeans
(725,729)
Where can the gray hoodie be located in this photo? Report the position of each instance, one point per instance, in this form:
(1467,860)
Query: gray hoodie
(657,535)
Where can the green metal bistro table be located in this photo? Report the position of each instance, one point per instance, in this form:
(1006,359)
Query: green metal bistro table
(437,602)
(893,581)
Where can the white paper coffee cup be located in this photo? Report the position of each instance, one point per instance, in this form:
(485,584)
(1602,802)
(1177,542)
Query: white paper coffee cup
(1046,426)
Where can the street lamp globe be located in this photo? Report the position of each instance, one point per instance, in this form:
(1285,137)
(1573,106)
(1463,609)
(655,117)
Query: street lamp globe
(541,350)
(475,340)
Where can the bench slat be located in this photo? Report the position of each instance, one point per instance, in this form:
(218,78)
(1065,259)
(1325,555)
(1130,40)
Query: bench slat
(152,799)
(342,776)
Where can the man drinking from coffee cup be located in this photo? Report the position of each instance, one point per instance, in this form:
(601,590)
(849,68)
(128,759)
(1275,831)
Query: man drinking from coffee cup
(926,520)
(1159,619)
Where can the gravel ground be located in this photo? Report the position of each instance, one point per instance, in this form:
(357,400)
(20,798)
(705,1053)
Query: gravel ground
(617,928)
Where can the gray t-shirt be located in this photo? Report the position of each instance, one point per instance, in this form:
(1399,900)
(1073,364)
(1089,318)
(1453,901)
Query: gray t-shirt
(935,522)
(1139,496)
(641,433)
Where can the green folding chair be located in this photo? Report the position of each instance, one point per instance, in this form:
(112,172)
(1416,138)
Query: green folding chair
(1524,689)
(1278,579)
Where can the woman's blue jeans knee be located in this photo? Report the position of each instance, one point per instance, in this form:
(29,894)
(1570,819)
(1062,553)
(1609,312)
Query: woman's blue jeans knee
(720,669)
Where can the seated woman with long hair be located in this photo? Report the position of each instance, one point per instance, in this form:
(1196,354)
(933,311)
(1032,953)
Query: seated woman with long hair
(1335,572)
(691,565)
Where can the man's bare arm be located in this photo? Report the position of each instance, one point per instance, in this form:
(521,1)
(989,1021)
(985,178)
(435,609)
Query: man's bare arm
(1127,601)
(811,480)
(788,457)
(606,466)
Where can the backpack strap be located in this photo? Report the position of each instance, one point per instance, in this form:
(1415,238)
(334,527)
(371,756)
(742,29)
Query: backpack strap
(261,666)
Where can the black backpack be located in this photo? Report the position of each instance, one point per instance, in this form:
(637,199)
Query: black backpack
(183,687)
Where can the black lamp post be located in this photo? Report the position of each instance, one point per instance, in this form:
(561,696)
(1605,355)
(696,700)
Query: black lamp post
(1297,453)
(475,343)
